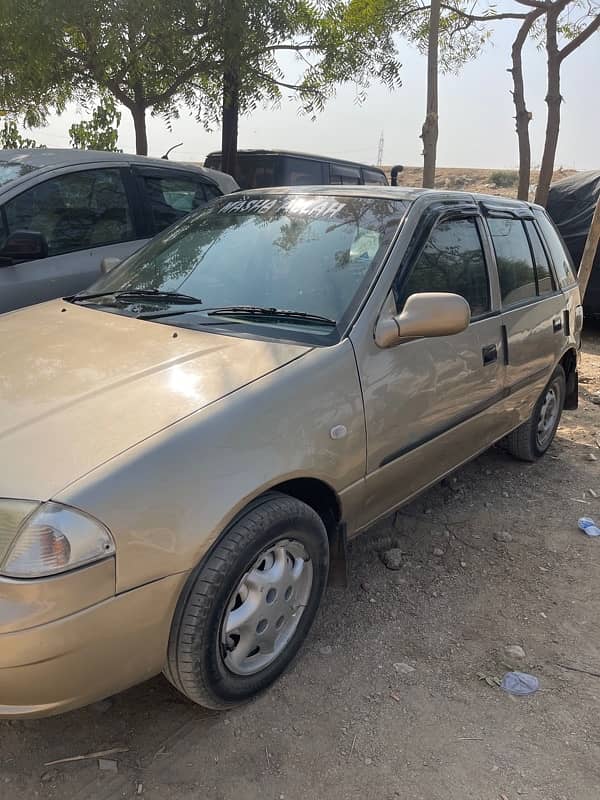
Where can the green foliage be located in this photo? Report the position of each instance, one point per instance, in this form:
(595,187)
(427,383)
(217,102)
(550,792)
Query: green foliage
(147,54)
(504,179)
(162,55)
(11,139)
(101,131)
(333,41)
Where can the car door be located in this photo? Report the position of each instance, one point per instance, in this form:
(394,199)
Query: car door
(170,194)
(432,403)
(533,306)
(83,215)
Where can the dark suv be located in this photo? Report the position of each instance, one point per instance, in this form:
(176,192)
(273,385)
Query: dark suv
(258,169)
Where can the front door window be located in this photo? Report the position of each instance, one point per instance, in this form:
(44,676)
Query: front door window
(74,211)
(452,260)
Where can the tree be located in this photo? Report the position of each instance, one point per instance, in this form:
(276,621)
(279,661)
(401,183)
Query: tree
(217,57)
(574,34)
(429,133)
(522,115)
(557,24)
(148,54)
(450,34)
(333,40)
(101,131)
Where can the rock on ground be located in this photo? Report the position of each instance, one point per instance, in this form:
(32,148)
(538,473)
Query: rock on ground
(393,558)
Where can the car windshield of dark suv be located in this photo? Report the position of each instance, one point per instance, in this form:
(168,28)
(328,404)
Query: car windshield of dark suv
(288,265)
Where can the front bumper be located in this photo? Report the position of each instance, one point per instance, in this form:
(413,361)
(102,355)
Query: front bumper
(85,656)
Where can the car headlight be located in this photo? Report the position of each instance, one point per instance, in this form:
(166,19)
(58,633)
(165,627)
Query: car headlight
(40,540)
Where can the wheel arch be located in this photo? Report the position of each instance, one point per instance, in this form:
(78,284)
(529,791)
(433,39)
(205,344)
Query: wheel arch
(317,494)
(568,362)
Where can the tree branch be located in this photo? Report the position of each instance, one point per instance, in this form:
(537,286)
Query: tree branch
(523,32)
(296,87)
(579,39)
(480,17)
(535,4)
(295,47)
(179,81)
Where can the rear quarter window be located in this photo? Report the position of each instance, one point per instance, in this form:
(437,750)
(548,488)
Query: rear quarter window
(563,266)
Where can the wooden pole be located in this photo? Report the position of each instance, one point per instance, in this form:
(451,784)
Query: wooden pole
(589,251)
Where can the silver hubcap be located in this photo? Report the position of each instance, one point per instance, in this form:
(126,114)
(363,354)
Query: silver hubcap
(266,606)
(548,417)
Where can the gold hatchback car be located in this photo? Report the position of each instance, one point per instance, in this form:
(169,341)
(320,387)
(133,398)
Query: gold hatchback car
(186,446)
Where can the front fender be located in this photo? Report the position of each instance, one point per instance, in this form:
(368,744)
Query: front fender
(168,499)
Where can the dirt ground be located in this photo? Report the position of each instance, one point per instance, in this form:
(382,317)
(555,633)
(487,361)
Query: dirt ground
(486,181)
(351,720)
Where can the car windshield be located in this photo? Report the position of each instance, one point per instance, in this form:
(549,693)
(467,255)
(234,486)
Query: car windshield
(313,255)
(11,170)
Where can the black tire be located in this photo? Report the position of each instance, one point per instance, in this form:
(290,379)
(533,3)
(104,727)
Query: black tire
(196,656)
(525,442)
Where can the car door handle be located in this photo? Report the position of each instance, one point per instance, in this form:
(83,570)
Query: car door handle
(489,353)
(557,325)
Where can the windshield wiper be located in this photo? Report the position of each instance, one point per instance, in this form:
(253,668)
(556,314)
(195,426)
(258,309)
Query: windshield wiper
(258,311)
(141,294)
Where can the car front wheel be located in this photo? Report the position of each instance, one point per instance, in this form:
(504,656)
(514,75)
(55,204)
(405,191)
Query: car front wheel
(246,612)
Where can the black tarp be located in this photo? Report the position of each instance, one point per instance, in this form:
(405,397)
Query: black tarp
(571,204)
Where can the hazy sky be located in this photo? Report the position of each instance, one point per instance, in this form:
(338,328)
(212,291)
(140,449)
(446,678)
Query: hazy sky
(476,116)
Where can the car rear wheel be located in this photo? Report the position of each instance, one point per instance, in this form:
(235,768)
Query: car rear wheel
(531,440)
(245,613)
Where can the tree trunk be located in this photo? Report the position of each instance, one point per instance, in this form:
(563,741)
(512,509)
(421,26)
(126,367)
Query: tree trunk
(141,138)
(522,115)
(229,132)
(233,36)
(553,100)
(429,132)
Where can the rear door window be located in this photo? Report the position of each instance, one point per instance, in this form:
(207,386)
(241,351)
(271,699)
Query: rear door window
(346,176)
(172,196)
(514,261)
(545,281)
(303,172)
(452,260)
(256,172)
(563,266)
(373,176)
(74,211)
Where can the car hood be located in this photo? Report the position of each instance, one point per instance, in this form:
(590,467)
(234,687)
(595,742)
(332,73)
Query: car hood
(79,386)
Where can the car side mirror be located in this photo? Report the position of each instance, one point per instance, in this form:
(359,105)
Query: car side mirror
(424,315)
(108,263)
(24,246)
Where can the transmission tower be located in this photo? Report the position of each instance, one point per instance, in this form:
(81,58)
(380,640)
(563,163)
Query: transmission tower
(380,151)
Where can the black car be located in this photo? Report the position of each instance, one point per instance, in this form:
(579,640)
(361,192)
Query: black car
(258,169)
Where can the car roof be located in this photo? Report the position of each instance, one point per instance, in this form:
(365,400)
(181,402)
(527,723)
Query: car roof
(394,193)
(59,156)
(55,157)
(298,154)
